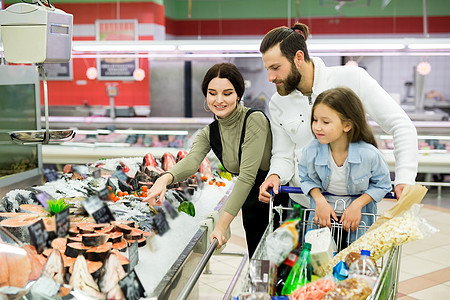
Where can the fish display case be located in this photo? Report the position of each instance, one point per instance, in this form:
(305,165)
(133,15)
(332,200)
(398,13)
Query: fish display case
(163,261)
(433,142)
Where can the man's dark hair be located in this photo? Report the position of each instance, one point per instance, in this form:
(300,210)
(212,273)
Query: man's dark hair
(290,39)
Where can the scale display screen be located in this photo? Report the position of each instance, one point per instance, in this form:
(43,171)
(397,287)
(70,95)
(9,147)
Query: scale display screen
(60,29)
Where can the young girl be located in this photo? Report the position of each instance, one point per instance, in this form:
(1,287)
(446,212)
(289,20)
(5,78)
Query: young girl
(342,160)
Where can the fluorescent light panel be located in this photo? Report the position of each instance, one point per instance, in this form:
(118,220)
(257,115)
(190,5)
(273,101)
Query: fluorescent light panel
(429,46)
(223,47)
(360,47)
(123,48)
(252,46)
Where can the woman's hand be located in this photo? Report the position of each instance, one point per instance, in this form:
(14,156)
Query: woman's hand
(351,217)
(220,230)
(220,235)
(155,195)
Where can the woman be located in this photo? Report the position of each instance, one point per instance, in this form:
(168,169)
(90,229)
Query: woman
(242,141)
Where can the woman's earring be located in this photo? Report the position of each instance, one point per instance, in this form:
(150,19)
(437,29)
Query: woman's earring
(205,107)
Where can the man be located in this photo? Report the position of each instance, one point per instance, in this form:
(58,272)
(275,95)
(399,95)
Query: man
(299,79)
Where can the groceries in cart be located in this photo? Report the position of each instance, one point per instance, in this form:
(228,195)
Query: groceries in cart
(285,238)
(262,276)
(323,246)
(367,269)
(300,273)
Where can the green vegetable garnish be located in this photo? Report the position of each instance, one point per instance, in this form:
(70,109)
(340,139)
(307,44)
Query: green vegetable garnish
(187,207)
(56,206)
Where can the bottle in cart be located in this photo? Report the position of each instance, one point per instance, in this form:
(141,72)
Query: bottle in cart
(365,266)
(285,268)
(300,273)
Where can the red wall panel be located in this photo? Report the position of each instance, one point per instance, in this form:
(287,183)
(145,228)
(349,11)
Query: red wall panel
(93,92)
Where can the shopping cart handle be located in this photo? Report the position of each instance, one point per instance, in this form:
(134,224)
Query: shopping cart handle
(289,189)
(297,190)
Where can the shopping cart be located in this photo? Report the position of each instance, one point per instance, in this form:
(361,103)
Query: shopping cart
(386,286)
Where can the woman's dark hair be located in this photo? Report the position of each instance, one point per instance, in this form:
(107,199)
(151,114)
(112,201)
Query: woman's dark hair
(228,71)
(349,108)
(290,39)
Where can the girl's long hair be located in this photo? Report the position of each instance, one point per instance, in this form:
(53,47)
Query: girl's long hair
(349,108)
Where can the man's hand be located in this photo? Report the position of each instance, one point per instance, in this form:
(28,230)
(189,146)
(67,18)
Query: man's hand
(271,182)
(399,189)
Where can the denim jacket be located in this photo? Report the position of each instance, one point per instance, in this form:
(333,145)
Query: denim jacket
(368,173)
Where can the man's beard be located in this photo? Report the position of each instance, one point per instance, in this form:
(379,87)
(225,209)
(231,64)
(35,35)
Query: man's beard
(290,83)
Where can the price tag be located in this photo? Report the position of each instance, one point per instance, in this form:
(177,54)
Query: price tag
(38,235)
(133,255)
(50,175)
(119,174)
(111,184)
(98,210)
(92,204)
(42,198)
(161,224)
(96,173)
(132,287)
(103,215)
(170,209)
(62,221)
(104,194)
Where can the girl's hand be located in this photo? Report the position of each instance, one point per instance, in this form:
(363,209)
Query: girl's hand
(155,195)
(220,235)
(323,213)
(351,217)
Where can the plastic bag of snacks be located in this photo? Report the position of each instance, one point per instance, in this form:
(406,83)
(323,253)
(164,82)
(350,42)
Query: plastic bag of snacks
(356,288)
(397,231)
(314,290)
(282,241)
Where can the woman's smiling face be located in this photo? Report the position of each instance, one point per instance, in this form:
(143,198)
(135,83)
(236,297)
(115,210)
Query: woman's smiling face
(221,97)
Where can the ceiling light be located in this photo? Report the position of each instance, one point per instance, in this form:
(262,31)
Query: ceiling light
(443,46)
(218,47)
(120,46)
(338,45)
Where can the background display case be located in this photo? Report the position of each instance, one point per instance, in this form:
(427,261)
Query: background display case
(19,110)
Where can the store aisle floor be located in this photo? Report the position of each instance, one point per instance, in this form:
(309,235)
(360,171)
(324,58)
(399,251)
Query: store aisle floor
(424,265)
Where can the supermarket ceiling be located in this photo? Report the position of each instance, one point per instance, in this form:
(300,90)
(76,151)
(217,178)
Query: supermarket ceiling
(237,18)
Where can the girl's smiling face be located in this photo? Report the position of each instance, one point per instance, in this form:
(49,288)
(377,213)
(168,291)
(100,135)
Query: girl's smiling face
(221,97)
(328,126)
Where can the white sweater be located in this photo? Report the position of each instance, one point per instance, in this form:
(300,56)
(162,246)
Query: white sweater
(291,122)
